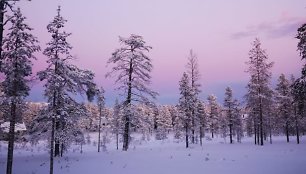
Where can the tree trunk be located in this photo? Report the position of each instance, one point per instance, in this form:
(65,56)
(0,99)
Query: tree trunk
(57,148)
(57,141)
(186,128)
(193,137)
(258,134)
(99,129)
(297,127)
(81,147)
(261,122)
(287,132)
(201,135)
(270,133)
(117,140)
(52,146)
(193,126)
(212,131)
(10,151)
(255,132)
(231,134)
(128,104)
(62,149)
(1,30)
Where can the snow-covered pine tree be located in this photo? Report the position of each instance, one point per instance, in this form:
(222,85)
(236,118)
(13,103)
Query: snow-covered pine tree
(299,86)
(212,115)
(223,125)
(101,105)
(176,121)
(4,5)
(258,88)
(63,82)
(186,104)
(132,68)
(116,121)
(228,107)
(18,48)
(201,115)
(295,108)
(237,120)
(284,103)
(194,74)
(142,120)
(163,121)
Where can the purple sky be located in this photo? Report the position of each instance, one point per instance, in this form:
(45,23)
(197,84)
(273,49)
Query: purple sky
(219,31)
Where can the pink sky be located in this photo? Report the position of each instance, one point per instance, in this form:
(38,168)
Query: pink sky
(219,31)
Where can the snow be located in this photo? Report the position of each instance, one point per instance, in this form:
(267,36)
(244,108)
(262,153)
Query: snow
(168,156)
(18,127)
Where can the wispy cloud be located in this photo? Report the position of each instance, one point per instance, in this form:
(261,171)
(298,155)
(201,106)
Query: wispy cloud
(285,26)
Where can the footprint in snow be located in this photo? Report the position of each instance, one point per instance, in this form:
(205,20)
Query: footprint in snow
(206,159)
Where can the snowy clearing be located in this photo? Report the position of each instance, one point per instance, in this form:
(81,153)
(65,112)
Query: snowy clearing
(168,156)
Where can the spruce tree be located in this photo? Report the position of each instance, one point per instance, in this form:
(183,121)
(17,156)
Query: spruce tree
(62,82)
(212,115)
(185,105)
(284,104)
(19,46)
(5,5)
(229,110)
(299,85)
(258,88)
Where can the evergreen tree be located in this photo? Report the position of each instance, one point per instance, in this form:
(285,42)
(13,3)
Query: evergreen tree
(237,120)
(229,110)
(213,114)
(176,121)
(63,81)
(259,90)
(117,121)
(295,108)
(163,123)
(19,46)
(202,119)
(185,105)
(299,86)
(194,74)
(133,69)
(4,5)
(283,100)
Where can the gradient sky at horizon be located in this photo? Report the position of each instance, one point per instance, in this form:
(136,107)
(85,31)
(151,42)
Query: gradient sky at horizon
(220,32)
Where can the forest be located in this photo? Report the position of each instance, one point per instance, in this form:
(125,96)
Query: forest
(265,113)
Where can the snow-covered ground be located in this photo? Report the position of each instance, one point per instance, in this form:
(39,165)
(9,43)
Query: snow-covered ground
(165,157)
